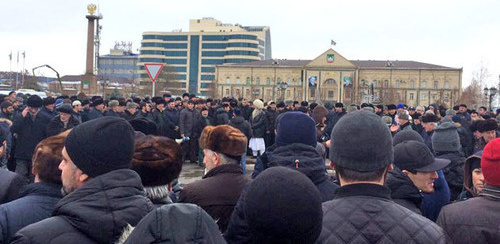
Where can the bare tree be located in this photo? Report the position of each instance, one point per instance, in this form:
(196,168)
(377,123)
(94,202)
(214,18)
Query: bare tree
(472,95)
(167,81)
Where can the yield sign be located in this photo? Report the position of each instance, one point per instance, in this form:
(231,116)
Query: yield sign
(153,70)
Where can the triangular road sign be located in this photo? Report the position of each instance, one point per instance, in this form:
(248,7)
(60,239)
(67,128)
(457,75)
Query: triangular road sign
(153,70)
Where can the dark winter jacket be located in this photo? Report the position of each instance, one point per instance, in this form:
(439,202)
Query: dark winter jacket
(365,213)
(241,124)
(176,223)
(262,162)
(454,172)
(217,192)
(94,114)
(147,115)
(113,113)
(475,220)
(272,115)
(433,202)
(50,113)
(56,126)
(300,157)
(466,140)
(29,133)
(305,159)
(221,117)
(97,212)
(331,120)
(427,136)
(403,191)
(11,185)
(36,202)
(187,122)
(128,116)
(171,120)
(469,191)
(246,112)
(259,125)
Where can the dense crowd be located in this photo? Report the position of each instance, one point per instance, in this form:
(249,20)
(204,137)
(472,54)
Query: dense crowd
(93,170)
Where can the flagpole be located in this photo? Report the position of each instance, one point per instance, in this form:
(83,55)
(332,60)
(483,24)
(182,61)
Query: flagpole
(17,70)
(24,60)
(10,67)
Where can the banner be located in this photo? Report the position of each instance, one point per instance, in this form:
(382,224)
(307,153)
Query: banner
(330,58)
(313,81)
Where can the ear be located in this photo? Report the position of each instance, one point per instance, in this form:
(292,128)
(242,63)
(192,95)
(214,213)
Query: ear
(170,186)
(83,177)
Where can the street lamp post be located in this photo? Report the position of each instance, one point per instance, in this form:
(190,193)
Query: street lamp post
(490,93)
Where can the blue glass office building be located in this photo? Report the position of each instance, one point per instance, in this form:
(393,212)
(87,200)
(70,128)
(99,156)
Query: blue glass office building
(193,55)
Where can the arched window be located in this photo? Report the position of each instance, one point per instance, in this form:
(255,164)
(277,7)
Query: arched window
(268,81)
(238,80)
(248,80)
(228,80)
(257,81)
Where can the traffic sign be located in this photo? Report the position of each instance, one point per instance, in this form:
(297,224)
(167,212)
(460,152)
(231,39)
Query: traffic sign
(153,70)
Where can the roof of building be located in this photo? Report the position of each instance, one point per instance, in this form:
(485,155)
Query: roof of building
(395,64)
(362,64)
(270,62)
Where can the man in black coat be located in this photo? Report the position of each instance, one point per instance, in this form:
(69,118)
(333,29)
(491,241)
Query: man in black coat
(333,117)
(37,200)
(30,128)
(101,199)
(362,208)
(63,121)
(189,122)
(415,173)
(48,107)
(220,188)
(171,121)
(98,110)
(476,220)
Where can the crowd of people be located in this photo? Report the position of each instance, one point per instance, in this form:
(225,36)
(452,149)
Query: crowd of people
(93,170)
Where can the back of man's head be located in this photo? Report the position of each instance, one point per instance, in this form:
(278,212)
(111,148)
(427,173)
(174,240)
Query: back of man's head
(361,147)
(157,159)
(47,157)
(102,145)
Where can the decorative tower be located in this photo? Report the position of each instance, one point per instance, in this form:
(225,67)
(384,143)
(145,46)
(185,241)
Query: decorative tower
(89,80)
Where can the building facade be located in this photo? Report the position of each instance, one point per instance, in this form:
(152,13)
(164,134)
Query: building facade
(119,64)
(331,77)
(190,58)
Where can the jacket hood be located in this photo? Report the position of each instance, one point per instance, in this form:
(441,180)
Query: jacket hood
(104,205)
(468,172)
(238,120)
(176,223)
(402,187)
(301,157)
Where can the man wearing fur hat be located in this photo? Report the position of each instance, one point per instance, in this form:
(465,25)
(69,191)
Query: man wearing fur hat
(487,128)
(29,127)
(98,109)
(221,186)
(102,194)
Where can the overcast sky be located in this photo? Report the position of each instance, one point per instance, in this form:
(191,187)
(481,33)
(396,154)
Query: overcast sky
(449,33)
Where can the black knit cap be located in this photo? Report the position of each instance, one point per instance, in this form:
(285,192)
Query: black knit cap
(282,205)
(361,142)
(48,101)
(406,135)
(34,101)
(101,145)
(339,105)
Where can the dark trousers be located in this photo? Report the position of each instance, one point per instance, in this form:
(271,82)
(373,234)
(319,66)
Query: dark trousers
(190,150)
(269,139)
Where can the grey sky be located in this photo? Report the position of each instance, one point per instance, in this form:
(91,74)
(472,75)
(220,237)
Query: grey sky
(449,33)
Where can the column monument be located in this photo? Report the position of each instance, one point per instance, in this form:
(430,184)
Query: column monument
(89,79)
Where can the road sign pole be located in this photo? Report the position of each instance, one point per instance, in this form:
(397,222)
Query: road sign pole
(154,86)
(153,72)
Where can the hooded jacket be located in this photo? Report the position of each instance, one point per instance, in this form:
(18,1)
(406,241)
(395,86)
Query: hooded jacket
(11,185)
(307,160)
(36,202)
(469,191)
(97,212)
(176,223)
(454,172)
(403,191)
(300,157)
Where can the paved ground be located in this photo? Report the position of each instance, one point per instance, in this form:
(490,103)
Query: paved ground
(193,172)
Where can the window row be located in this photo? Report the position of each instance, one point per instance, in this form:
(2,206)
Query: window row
(268,80)
(397,84)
